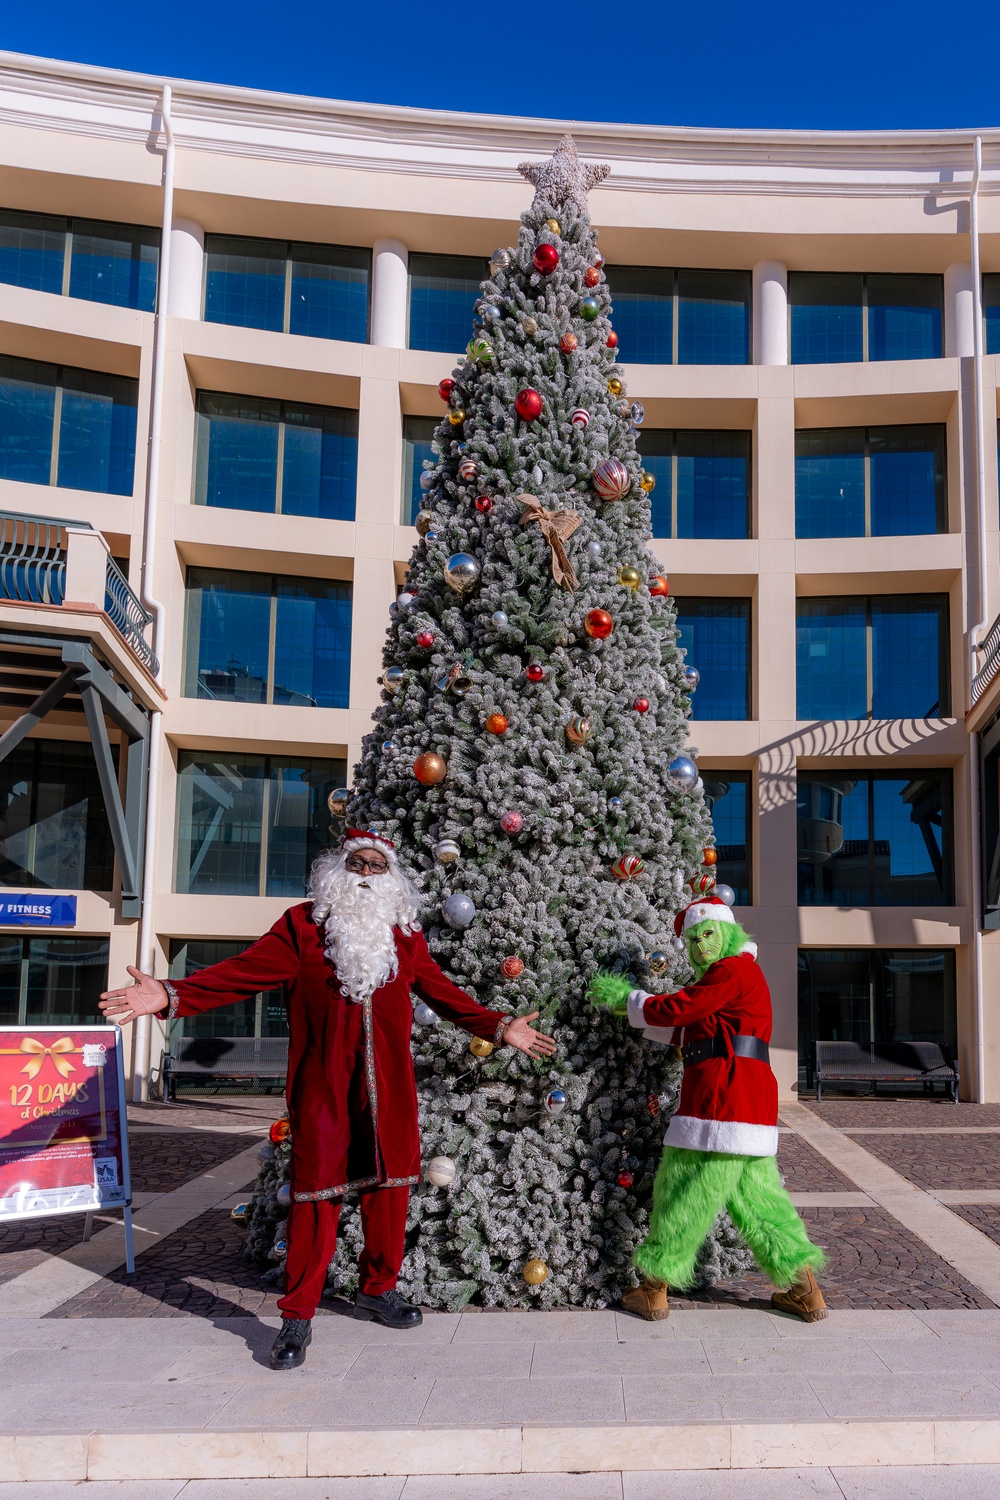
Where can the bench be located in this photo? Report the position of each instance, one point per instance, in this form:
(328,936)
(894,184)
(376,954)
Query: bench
(224,1058)
(885,1062)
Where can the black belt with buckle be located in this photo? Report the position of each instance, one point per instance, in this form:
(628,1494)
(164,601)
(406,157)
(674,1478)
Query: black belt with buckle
(741,1046)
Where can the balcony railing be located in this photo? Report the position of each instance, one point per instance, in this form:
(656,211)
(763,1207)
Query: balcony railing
(36,558)
(989,663)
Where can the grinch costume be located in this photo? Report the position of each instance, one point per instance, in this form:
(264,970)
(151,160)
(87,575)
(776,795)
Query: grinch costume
(721,1144)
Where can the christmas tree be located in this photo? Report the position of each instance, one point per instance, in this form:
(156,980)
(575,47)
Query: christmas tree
(529,762)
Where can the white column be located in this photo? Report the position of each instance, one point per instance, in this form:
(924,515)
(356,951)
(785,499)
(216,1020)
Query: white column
(959,333)
(389,289)
(187,252)
(770,313)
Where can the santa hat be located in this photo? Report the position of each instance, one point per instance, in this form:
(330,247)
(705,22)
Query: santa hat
(701,910)
(366,838)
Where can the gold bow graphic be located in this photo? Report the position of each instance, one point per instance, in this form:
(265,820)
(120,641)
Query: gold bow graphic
(557,527)
(62,1065)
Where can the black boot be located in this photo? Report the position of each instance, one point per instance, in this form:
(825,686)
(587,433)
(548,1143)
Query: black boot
(289,1348)
(391,1309)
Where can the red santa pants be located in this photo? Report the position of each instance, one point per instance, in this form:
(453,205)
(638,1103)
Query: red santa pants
(312,1239)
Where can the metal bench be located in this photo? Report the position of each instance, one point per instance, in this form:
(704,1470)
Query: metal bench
(224,1058)
(886,1062)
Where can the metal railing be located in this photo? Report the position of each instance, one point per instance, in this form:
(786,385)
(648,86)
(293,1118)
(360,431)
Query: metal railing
(33,571)
(989,667)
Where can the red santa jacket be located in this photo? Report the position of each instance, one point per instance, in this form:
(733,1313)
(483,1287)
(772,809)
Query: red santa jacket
(352,1097)
(728,1104)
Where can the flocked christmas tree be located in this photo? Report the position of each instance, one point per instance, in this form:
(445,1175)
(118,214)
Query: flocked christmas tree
(528,760)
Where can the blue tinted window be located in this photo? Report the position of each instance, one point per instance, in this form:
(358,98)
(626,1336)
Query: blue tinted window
(830,482)
(713,313)
(907,480)
(643,313)
(702,484)
(716,635)
(97,432)
(831,659)
(320,469)
(991,313)
(312,646)
(260,1015)
(909,657)
(115,263)
(418,435)
(329,292)
(245,282)
(827,317)
(833,839)
(32,250)
(27,411)
(237,463)
(727,794)
(904,317)
(656,448)
(443,294)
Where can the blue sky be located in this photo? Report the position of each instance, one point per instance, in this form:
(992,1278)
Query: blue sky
(845,65)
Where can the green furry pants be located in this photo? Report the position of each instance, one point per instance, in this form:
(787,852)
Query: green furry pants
(691,1190)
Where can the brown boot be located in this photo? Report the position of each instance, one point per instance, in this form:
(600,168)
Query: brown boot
(803,1298)
(648,1301)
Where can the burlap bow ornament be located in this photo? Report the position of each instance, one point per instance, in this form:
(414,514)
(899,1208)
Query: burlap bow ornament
(557,527)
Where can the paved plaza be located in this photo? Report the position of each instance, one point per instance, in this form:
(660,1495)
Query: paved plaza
(157,1384)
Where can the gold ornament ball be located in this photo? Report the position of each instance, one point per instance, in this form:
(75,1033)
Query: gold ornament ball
(479,1047)
(647,482)
(615,386)
(336,802)
(456,416)
(430,768)
(529,325)
(554,225)
(629,577)
(535,1271)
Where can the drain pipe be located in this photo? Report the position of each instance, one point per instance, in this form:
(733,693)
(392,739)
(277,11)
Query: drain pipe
(980,626)
(143,1025)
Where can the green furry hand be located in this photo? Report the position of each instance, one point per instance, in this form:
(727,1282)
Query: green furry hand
(610,992)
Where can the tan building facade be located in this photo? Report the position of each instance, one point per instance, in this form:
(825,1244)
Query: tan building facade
(868,917)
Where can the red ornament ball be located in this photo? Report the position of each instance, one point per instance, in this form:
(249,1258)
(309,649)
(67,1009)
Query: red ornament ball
(591,276)
(279,1130)
(710,856)
(598,260)
(641,705)
(430,768)
(511,822)
(496,724)
(625,1178)
(445,388)
(425,639)
(546,258)
(484,504)
(529,404)
(534,671)
(658,586)
(628,867)
(512,967)
(598,624)
(612,340)
(700,885)
(568,343)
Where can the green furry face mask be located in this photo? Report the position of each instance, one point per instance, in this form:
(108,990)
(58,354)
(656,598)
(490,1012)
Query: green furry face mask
(711,940)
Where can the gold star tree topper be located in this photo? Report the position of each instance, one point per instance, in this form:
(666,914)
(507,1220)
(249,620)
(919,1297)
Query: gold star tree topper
(564,178)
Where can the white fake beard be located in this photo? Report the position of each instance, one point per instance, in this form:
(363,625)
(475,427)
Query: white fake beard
(360,942)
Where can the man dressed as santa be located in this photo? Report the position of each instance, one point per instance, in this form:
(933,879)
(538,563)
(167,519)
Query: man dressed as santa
(721,1145)
(347,959)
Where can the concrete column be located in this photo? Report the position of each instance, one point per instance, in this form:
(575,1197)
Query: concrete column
(86,567)
(187,253)
(770,313)
(389,293)
(959,333)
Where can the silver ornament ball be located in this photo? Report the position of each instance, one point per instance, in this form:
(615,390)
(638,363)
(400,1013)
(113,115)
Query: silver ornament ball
(500,619)
(616,806)
(284,1194)
(423,1015)
(459,910)
(427,479)
(405,600)
(725,893)
(556,1101)
(461,572)
(683,773)
(595,549)
(392,679)
(692,677)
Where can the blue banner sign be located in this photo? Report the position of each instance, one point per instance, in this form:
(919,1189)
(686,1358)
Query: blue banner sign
(36,909)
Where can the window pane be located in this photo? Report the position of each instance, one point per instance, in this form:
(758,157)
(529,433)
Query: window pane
(713,317)
(443,294)
(716,636)
(728,796)
(11,949)
(904,317)
(114,263)
(312,646)
(220,811)
(826,315)
(299,821)
(991,313)
(320,468)
(907,480)
(32,247)
(65,980)
(909,663)
(643,313)
(831,659)
(833,840)
(245,281)
(913,840)
(418,434)
(27,410)
(656,446)
(97,432)
(713,485)
(228,635)
(237,463)
(260,1015)
(830,482)
(329,292)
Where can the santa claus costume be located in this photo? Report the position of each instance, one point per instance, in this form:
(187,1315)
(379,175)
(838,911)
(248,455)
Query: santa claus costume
(720,1147)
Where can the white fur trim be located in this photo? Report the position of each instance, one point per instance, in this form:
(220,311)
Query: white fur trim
(636,1003)
(750,948)
(703,911)
(735,1137)
(660,1036)
(372,841)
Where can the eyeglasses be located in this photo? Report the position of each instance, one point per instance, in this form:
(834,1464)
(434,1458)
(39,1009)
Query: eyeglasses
(359,866)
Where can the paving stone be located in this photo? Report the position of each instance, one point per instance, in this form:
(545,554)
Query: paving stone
(445,1361)
(556,1361)
(913,1482)
(735,1484)
(805,1171)
(913,1113)
(719,1398)
(939,1161)
(982,1216)
(513,1487)
(933,1394)
(505,1402)
(760,1358)
(166,1160)
(286,1402)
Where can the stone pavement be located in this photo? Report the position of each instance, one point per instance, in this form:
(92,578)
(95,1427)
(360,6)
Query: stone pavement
(904,1375)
